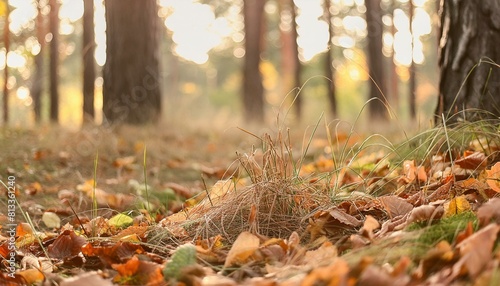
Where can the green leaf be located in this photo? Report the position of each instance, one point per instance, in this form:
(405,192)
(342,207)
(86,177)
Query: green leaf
(185,255)
(121,221)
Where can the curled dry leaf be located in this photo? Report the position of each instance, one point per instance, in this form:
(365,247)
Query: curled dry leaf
(425,213)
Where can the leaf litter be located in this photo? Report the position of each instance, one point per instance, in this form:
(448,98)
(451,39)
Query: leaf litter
(272,217)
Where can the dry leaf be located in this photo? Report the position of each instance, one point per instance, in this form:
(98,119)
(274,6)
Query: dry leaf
(243,248)
(489,211)
(493,177)
(475,251)
(472,161)
(456,205)
(395,206)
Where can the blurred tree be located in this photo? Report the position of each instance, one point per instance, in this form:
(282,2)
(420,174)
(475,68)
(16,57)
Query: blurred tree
(468,59)
(54,60)
(329,61)
(37,82)
(394,78)
(375,28)
(412,80)
(6,38)
(253,90)
(131,91)
(290,63)
(88,48)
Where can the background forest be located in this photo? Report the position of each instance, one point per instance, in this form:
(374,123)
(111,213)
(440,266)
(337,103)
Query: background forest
(202,51)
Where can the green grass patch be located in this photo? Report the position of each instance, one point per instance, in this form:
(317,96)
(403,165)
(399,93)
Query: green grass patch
(445,229)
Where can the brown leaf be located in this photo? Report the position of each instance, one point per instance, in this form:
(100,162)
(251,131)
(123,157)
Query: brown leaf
(475,251)
(112,253)
(425,213)
(87,278)
(472,161)
(489,211)
(66,245)
(395,205)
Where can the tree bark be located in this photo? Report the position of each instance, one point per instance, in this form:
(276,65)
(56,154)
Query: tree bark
(469,81)
(54,60)
(377,106)
(131,91)
(88,61)
(412,85)
(37,83)
(253,90)
(329,61)
(290,63)
(6,38)
(297,65)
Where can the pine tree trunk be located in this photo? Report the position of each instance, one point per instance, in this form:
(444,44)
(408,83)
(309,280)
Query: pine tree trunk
(37,83)
(131,91)
(6,38)
(378,92)
(412,85)
(88,61)
(54,60)
(329,74)
(253,90)
(469,81)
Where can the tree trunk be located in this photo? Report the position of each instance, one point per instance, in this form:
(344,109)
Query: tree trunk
(131,91)
(297,65)
(412,85)
(88,61)
(469,81)
(290,63)
(375,28)
(394,78)
(6,38)
(253,90)
(54,60)
(329,61)
(37,83)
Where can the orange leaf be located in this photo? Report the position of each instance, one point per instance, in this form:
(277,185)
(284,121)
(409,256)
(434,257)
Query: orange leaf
(493,177)
(244,247)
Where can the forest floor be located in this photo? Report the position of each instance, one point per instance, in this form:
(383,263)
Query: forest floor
(142,206)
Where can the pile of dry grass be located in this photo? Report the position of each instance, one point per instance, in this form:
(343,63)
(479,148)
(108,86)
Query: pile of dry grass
(273,204)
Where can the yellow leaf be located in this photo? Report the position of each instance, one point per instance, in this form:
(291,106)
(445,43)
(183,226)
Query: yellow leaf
(456,205)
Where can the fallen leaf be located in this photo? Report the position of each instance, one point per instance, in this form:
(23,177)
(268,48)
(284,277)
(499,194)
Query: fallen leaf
(493,177)
(243,248)
(66,245)
(32,276)
(395,206)
(334,274)
(87,278)
(120,220)
(456,205)
(489,211)
(51,220)
(476,250)
(472,161)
